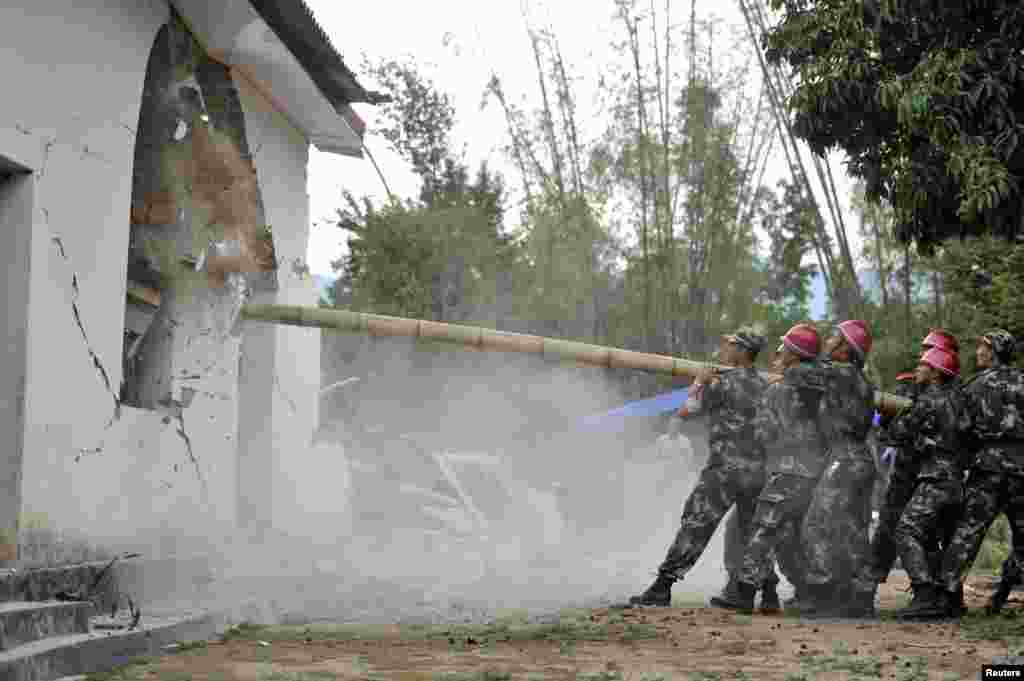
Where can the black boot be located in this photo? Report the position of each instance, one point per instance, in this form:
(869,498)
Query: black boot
(824,600)
(929,603)
(659,593)
(859,605)
(729,592)
(999,597)
(741,600)
(770,604)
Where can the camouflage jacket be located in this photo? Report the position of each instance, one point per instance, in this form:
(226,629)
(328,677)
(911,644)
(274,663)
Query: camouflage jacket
(786,424)
(731,404)
(993,419)
(929,432)
(848,405)
(907,389)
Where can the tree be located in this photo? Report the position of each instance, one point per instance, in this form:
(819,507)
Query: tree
(788,221)
(924,99)
(982,283)
(438,256)
(563,233)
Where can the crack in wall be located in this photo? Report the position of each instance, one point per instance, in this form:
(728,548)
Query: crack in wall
(96,361)
(280,391)
(47,146)
(179,415)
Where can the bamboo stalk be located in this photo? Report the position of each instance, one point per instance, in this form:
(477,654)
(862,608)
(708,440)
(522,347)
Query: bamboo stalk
(502,341)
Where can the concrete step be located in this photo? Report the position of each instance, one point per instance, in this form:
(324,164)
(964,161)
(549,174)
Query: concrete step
(76,654)
(24,622)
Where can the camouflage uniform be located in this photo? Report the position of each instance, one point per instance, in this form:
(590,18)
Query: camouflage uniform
(993,424)
(734,472)
(929,433)
(787,427)
(835,528)
(899,489)
(735,540)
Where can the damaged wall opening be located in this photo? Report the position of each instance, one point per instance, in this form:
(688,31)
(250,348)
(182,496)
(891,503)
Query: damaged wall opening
(198,239)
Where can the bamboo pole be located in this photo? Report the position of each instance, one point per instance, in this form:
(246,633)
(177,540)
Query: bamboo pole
(489,339)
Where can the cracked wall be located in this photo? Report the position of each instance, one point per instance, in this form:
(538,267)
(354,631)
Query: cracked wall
(126,474)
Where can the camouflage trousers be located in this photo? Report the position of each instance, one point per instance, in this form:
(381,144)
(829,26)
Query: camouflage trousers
(780,507)
(835,529)
(988,493)
(718,489)
(884,550)
(788,557)
(935,506)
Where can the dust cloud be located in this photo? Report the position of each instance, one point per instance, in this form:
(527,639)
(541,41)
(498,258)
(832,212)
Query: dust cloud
(446,484)
(449,485)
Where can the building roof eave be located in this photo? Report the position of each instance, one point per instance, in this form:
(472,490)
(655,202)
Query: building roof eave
(315,99)
(297,28)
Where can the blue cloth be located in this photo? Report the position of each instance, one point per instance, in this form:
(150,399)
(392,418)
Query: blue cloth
(652,406)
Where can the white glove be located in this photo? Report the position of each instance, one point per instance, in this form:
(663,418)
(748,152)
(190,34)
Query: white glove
(889,455)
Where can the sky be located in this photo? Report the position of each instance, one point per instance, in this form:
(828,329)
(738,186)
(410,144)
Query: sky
(459,42)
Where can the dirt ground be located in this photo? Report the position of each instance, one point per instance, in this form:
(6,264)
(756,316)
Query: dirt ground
(684,642)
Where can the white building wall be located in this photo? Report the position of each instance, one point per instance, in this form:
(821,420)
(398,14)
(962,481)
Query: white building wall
(79,71)
(281,154)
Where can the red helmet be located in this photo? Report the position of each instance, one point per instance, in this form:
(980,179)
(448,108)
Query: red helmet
(942,360)
(939,338)
(802,339)
(857,335)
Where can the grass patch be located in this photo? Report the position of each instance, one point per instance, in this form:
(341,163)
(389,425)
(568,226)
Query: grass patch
(132,670)
(704,676)
(483,675)
(639,632)
(688,601)
(318,632)
(599,676)
(743,619)
(189,646)
(298,676)
(563,630)
(912,669)
(798,676)
(1004,627)
(842,661)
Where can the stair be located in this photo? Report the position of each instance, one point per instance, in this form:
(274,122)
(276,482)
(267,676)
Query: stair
(42,639)
(22,623)
(54,645)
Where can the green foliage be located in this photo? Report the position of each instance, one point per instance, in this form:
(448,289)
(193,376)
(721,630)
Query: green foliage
(788,221)
(438,257)
(995,548)
(966,268)
(923,99)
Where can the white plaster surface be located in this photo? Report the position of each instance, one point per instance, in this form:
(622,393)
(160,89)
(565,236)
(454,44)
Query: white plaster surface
(304,477)
(78,70)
